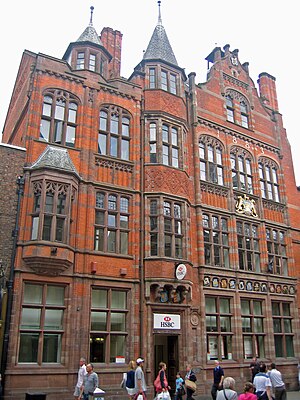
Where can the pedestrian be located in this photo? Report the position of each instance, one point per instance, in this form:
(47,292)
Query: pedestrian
(139,377)
(130,382)
(161,382)
(262,384)
(179,390)
(254,367)
(248,394)
(80,376)
(90,382)
(228,392)
(218,379)
(190,376)
(277,383)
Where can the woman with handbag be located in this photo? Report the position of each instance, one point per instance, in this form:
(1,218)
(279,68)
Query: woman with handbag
(189,381)
(130,382)
(161,383)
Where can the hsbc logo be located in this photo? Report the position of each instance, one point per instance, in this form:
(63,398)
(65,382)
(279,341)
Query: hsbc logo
(166,321)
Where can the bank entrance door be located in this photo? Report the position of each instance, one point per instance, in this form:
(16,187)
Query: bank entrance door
(166,350)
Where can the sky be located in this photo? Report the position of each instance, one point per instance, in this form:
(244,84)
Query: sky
(266,32)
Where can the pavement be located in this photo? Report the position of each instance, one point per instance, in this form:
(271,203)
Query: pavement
(293,395)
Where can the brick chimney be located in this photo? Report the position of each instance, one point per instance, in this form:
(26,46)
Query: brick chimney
(267,90)
(112,41)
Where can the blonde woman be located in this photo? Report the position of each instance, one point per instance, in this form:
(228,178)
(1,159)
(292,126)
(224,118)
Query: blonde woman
(130,383)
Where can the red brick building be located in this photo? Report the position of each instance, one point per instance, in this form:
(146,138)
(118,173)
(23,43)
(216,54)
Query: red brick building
(159,219)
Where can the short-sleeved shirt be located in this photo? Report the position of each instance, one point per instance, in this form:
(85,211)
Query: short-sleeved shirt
(261,382)
(218,373)
(139,375)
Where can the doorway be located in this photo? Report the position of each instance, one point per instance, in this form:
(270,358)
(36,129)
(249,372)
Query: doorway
(166,350)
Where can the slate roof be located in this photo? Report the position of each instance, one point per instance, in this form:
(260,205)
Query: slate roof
(159,46)
(55,158)
(90,35)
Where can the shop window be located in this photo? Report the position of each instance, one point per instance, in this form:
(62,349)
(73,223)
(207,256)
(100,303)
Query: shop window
(114,132)
(253,328)
(241,170)
(58,123)
(268,179)
(248,246)
(218,328)
(282,327)
(108,333)
(211,164)
(42,324)
(51,211)
(216,240)
(111,223)
(277,256)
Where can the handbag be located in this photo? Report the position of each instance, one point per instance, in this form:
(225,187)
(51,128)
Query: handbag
(190,385)
(157,383)
(163,396)
(181,391)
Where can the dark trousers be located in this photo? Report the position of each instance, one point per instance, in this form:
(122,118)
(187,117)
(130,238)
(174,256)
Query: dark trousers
(189,394)
(280,393)
(214,391)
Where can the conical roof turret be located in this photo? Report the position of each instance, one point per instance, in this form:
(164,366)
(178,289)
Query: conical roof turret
(90,33)
(159,47)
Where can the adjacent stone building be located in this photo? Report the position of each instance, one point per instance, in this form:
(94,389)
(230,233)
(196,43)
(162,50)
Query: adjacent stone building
(159,219)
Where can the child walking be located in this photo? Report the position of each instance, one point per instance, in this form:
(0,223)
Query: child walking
(179,392)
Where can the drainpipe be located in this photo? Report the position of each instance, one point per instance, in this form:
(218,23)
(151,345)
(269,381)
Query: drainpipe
(20,191)
(142,227)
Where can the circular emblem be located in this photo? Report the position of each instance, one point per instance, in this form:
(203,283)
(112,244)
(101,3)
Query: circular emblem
(180,271)
(167,318)
(194,319)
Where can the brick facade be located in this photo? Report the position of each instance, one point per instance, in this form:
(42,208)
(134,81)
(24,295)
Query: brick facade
(134,200)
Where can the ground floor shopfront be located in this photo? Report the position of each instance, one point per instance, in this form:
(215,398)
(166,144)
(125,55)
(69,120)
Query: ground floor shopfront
(57,320)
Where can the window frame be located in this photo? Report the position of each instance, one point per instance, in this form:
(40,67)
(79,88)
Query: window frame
(268,176)
(41,331)
(166,228)
(279,323)
(215,225)
(241,168)
(109,234)
(108,333)
(248,246)
(211,160)
(162,78)
(216,335)
(114,133)
(43,217)
(59,117)
(257,337)
(277,251)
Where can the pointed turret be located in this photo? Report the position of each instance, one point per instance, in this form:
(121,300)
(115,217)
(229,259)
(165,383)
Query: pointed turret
(159,47)
(90,33)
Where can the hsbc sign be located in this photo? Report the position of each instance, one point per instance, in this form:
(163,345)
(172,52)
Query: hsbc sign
(166,321)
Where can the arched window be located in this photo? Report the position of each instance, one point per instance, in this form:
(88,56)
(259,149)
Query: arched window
(211,165)
(241,170)
(268,175)
(114,132)
(229,108)
(58,122)
(237,108)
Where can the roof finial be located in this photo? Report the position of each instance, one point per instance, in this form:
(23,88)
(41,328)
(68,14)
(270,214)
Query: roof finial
(91,19)
(159,14)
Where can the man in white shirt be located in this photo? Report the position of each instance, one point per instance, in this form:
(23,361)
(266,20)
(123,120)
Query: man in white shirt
(263,384)
(277,383)
(81,373)
(140,383)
